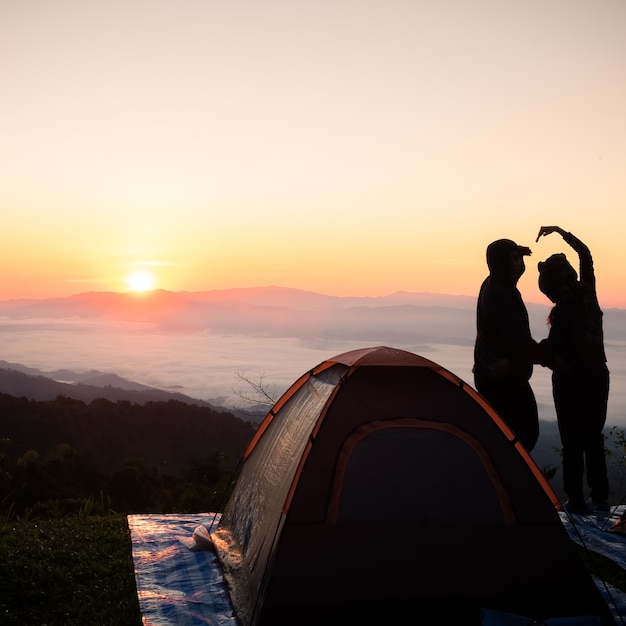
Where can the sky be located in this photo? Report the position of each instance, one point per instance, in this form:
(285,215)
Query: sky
(348,147)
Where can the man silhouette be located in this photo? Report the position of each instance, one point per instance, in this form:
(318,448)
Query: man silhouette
(505,351)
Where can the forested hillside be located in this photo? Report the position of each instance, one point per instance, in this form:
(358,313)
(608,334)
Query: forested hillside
(159,456)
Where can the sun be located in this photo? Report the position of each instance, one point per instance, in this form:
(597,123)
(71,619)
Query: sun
(140,280)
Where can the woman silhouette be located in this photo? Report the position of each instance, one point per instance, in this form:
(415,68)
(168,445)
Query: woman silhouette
(580,376)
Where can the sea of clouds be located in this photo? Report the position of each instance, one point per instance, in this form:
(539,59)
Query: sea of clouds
(210,366)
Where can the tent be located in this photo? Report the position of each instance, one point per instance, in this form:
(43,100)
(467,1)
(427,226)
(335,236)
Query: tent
(382,488)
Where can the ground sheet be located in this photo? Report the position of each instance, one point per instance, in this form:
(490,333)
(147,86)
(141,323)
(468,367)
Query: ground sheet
(597,532)
(179,582)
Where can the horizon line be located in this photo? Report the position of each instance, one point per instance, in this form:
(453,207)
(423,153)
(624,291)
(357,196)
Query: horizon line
(151,292)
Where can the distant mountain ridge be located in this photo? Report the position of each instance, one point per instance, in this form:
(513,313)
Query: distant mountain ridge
(286,312)
(260,296)
(22,381)
(268,311)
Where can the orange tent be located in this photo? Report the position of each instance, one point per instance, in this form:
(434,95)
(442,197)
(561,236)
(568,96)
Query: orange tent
(383,489)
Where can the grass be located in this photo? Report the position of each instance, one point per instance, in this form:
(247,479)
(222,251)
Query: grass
(70,571)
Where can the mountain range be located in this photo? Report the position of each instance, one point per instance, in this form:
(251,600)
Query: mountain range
(285,312)
(20,380)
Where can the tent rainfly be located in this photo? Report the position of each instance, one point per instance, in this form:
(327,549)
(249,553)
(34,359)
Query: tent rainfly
(381,488)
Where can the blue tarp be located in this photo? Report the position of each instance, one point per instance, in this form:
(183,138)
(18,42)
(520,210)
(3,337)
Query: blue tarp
(594,533)
(180,584)
(175,584)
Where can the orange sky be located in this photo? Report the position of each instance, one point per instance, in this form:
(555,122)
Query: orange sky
(343,147)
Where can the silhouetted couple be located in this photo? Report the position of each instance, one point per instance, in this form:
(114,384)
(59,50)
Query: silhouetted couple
(505,353)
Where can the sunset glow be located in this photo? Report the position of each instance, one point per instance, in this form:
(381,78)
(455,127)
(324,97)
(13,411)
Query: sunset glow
(231,144)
